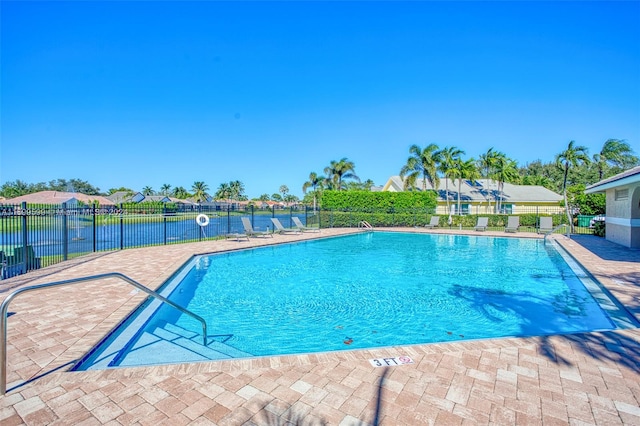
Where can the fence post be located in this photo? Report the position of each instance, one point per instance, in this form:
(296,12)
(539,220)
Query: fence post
(65,232)
(121,226)
(164,220)
(95,207)
(229,218)
(25,234)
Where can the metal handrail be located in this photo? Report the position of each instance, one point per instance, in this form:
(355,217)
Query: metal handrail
(364,224)
(554,230)
(5,307)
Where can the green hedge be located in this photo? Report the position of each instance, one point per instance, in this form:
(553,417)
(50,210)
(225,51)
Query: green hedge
(391,217)
(339,200)
(339,218)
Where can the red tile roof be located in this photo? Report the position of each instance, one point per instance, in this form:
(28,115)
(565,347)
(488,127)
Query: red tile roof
(58,197)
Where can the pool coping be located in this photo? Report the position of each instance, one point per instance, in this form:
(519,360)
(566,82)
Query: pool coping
(19,403)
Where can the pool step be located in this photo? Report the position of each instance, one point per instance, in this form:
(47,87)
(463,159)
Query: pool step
(171,343)
(211,341)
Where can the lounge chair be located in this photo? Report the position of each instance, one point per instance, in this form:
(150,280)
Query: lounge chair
(236,236)
(281,229)
(546,225)
(298,224)
(482,224)
(434,223)
(513,223)
(248,229)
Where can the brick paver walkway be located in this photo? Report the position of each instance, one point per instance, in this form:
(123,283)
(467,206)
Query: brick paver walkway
(589,378)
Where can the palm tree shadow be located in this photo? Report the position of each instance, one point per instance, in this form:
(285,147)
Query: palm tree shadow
(614,345)
(289,416)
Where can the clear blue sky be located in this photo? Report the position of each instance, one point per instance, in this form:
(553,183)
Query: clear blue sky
(146,93)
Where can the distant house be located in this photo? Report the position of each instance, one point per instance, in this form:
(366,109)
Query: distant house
(622,220)
(480,196)
(156,198)
(120,197)
(59,197)
(137,197)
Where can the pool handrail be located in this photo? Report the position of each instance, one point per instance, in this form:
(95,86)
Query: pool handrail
(363,224)
(555,229)
(5,307)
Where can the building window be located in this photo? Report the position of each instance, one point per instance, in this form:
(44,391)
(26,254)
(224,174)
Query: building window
(622,194)
(464,209)
(506,209)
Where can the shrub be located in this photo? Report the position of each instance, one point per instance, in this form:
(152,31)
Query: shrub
(599,228)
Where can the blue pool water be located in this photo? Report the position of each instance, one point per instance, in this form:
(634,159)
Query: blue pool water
(359,291)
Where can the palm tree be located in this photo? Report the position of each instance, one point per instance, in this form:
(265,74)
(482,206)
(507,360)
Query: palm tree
(337,171)
(614,152)
(573,156)
(448,157)
(223,192)
(465,170)
(180,192)
(284,190)
(165,189)
(506,170)
(422,162)
(236,189)
(199,191)
(314,182)
(487,162)
(147,190)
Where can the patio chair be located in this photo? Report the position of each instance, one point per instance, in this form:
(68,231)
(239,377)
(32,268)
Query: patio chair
(298,224)
(248,229)
(482,224)
(236,236)
(513,223)
(281,229)
(434,223)
(546,225)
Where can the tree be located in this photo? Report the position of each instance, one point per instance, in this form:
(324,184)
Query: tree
(571,157)
(223,192)
(121,189)
(616,153)
(506,170)
(147,190)
(264,197)
(165,189)
(236,188)
(199,189)
(422,162)
(315,183)
(16,188)
(180,192)
(72,185)
(337,171)
(487,162)
(448,159)
(276,197)
(465,170)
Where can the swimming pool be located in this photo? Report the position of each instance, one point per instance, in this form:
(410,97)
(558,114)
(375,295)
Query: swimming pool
(374,289)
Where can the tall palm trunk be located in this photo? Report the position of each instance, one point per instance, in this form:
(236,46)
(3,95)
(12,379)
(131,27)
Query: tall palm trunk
(566,199)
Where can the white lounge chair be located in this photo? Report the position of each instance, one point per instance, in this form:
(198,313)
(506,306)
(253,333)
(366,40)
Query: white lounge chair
(434,223)
(248,229)
(298,224)
(546,225)
(513,223)
(482,224)
(281,229)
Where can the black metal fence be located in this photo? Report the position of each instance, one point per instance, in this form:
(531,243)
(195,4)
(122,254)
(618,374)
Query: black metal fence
(32,237)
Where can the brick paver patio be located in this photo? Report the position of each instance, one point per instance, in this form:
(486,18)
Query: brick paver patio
(588,378)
